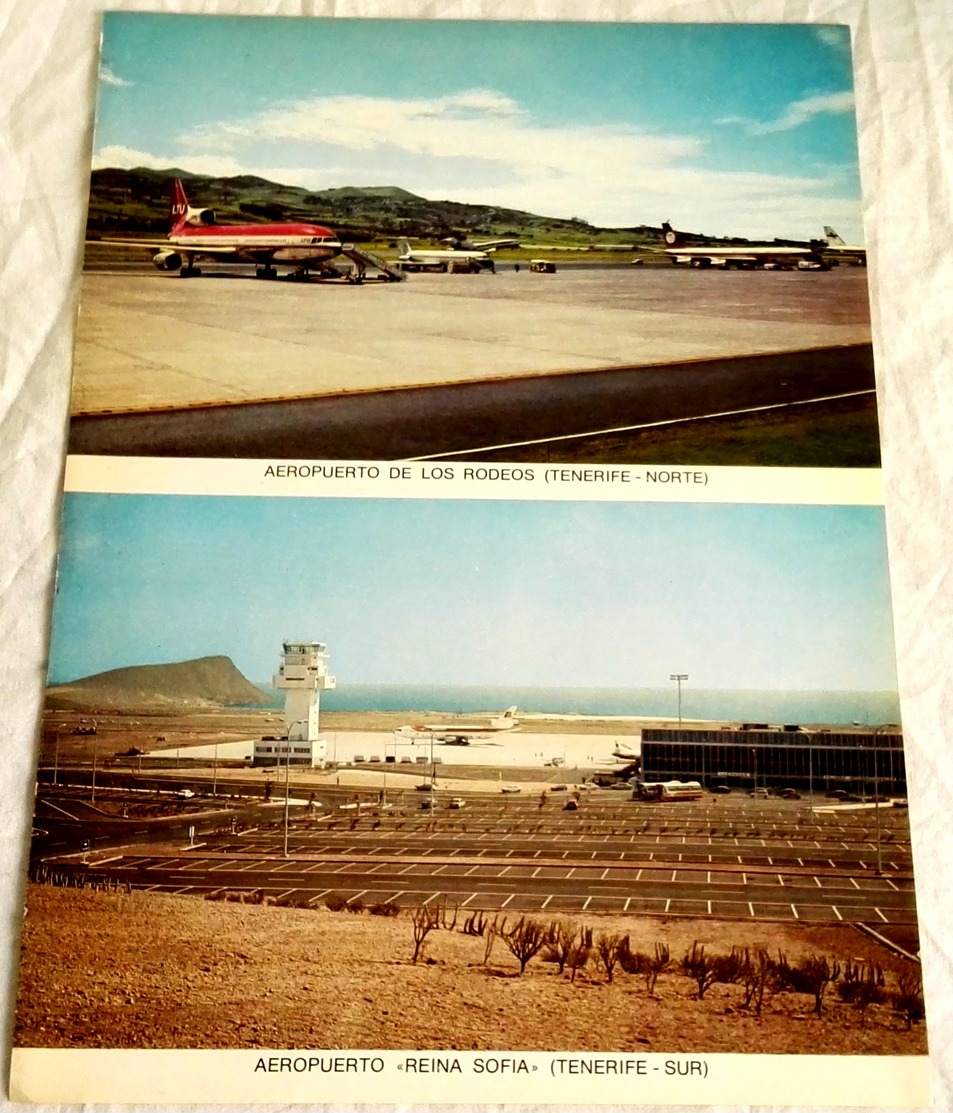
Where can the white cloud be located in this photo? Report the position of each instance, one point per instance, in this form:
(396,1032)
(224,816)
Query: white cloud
(481,147)
(107,77)
(796,114)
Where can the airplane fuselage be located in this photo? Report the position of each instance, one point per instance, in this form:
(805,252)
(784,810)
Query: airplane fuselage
(294,244)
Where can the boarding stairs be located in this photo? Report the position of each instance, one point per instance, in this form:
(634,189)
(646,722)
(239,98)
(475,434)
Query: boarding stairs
(365,259)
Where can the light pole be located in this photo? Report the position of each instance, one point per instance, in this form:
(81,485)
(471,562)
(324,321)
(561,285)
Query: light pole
(678,677)
(215,771)
(291,727)
(877,733)
(56,752)
(92,798)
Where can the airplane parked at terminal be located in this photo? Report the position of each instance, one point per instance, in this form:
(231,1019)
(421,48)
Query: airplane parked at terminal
(834,250)
(755,256)
(304,247)
(433,259)
(462,734)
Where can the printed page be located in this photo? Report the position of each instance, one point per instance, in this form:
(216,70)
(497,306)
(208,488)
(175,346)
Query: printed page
(472,605)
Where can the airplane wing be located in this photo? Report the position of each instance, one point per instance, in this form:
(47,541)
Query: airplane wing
(155,245)
(215,252)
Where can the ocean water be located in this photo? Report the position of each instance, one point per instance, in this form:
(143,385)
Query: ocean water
(731,705)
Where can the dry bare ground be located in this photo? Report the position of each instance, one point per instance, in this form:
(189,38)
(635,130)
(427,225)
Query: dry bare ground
(106,969)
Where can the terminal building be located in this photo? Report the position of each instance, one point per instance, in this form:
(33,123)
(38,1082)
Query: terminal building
(302,675)
(757,755)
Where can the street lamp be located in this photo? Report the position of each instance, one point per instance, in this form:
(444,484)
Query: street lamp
(92,798)
(291,727)
(678,677)
(56,752)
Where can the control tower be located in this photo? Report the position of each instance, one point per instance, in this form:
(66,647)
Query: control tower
(302,675)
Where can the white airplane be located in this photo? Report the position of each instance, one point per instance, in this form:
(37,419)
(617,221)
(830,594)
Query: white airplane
(623,753)
(833,248)
(484,245)
(755,256)
(462,734)
(434,259)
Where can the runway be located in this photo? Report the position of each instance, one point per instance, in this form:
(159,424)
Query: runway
(444,363)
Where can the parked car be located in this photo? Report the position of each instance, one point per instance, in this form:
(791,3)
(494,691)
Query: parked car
(510,788)
(457,802)
(559,788)
(571,806)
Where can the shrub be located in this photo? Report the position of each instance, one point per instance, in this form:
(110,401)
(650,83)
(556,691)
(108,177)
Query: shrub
(908,1000)
(356,906)
(700,968)
(385,908)
(334,902)
(559,943)
(425,919)
(579,951)
(525,940)
(474,924)
(755,976)
(608,948)
(862,986)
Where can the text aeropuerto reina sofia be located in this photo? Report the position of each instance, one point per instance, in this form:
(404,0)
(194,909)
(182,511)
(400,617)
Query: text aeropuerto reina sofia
(567,475)
(601,1065)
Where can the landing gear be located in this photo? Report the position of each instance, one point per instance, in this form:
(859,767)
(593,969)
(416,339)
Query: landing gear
(189,271)
(266,272)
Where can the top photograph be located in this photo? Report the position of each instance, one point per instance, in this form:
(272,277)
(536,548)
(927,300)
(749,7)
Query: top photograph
(500,241)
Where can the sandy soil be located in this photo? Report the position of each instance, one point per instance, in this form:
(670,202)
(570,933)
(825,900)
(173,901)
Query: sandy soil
(149,970)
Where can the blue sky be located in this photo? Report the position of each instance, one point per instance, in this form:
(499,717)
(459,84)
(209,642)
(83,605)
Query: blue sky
(480,592)
(739,129)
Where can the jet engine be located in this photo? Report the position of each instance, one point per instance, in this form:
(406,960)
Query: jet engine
(167,261)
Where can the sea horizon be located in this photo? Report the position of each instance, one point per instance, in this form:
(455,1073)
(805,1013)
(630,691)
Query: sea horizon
(728,705)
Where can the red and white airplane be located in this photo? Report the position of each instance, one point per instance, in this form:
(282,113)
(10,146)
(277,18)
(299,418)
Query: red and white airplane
(304,247)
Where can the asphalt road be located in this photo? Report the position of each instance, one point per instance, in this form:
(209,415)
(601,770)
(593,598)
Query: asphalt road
(439,420)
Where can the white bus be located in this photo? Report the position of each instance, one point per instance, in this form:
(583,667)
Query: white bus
(668,790)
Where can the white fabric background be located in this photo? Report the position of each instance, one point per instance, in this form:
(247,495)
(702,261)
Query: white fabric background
(903,52)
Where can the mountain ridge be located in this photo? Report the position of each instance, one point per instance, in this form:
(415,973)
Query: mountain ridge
(210,682)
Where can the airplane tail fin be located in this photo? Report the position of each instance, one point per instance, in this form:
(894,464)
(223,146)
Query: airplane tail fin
(672,238)
(178,205)
(832,237)
(510,712)
(403,246)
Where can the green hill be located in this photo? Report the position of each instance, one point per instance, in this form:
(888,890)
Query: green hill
(137,201)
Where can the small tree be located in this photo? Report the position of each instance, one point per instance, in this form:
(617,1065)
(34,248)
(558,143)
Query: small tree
(579,951)
(608,947)
(700,967)
(755,976)
(559,944)
(425,919)
(525,940)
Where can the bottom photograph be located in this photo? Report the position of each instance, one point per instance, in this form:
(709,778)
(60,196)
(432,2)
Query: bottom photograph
(471,776)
